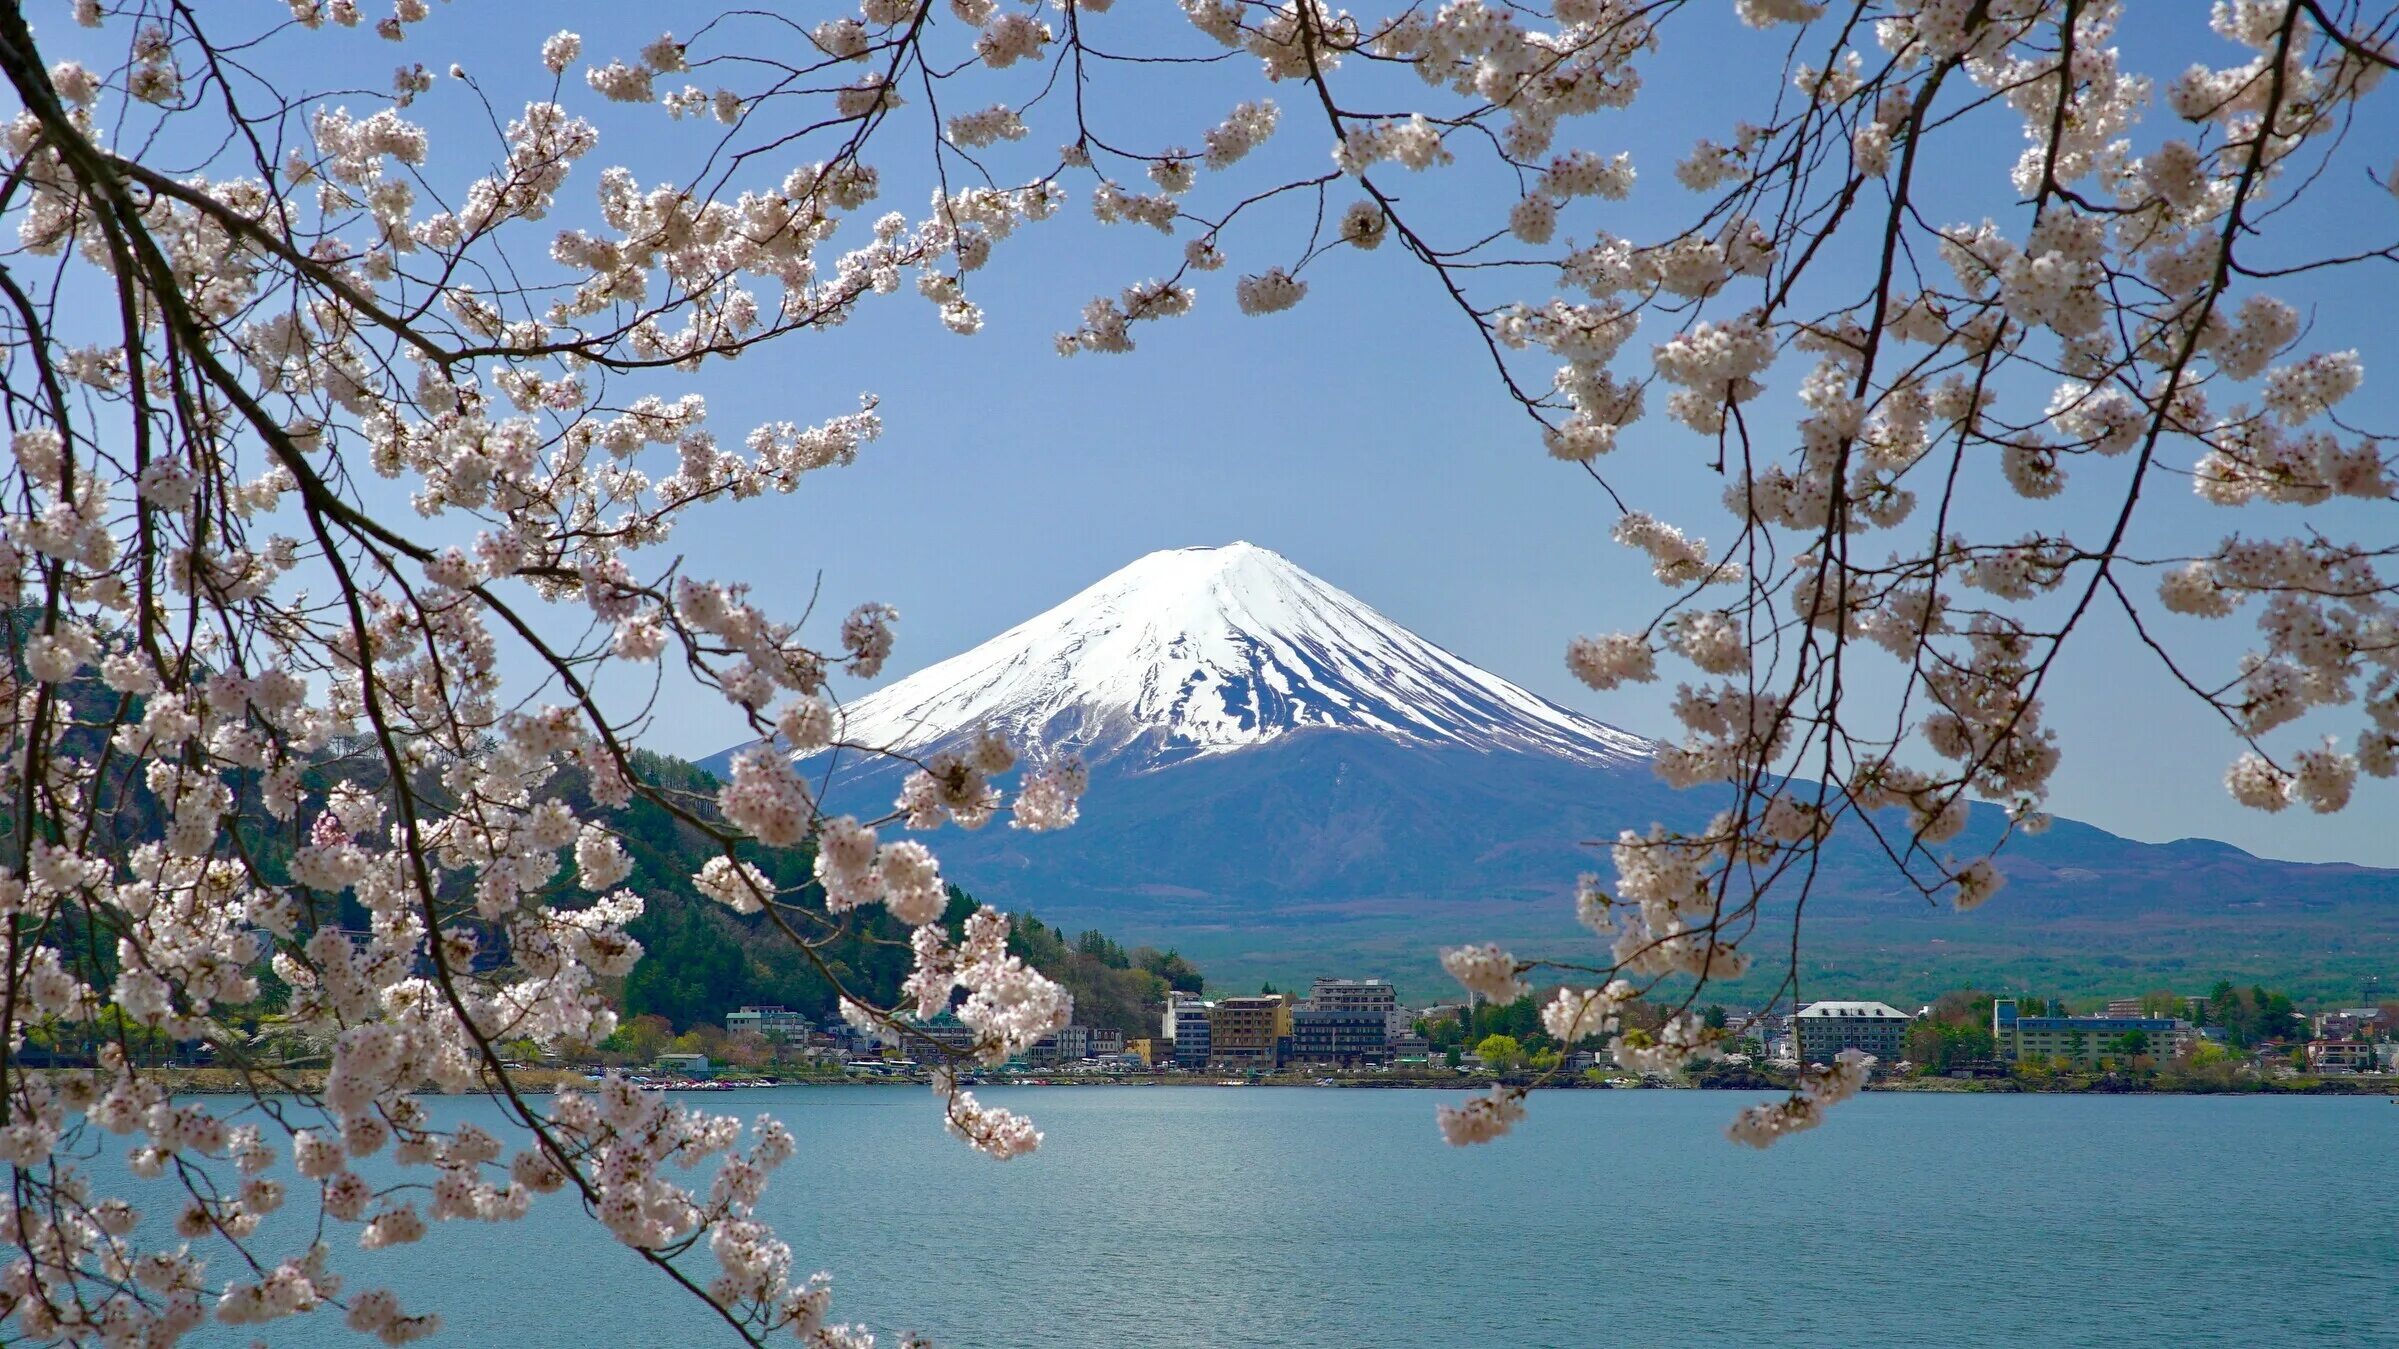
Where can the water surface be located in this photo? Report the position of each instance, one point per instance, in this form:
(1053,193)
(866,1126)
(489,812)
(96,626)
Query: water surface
(1268,1216)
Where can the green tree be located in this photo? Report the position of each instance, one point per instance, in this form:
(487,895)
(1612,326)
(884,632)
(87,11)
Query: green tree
(1938,1046)
(2132,1044)
(2281,1019)
(1500,1053)
(646,1037)
(1170,966)
(1442,1032)
(1921,1045)
(1520,1019)
(2164,1002)
(2253,1016)
(1713,1018)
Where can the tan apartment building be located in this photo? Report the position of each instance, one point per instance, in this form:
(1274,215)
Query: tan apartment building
(1249,1032)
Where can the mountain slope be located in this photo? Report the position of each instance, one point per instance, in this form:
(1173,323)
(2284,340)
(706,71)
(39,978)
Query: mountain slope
(1328,851)
(1286,782)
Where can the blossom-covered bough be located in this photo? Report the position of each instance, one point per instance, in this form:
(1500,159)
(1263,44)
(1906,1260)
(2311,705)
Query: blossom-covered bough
(260,753)
(345,464)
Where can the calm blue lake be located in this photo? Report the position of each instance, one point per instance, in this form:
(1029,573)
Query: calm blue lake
(1209,1216)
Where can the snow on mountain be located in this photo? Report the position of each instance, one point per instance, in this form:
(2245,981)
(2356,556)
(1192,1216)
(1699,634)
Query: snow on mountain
(1459,807)
(1194,652)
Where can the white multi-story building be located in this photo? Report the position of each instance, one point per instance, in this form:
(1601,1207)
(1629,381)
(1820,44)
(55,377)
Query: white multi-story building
(1183,1010)
(1824,1029)
(1186,1025)
(775,1023)
(1352,995)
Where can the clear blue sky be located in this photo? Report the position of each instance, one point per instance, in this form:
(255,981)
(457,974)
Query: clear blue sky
(1361,434)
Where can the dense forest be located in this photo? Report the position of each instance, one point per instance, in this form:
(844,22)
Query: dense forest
(702,959)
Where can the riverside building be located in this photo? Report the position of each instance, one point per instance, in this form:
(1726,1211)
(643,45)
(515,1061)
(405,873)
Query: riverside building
(775,1023)
(1344,1037)
(2085,1040)
(2340,1056)
(945,1030)
(1067,1044)
(1352,995)
(1346,1022)
(1824,1029)
(1185,1028)
(1249,1032)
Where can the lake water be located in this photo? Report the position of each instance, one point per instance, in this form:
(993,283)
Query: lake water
(1270,1216)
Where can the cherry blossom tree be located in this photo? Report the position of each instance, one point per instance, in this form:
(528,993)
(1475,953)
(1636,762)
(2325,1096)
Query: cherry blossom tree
(321,429)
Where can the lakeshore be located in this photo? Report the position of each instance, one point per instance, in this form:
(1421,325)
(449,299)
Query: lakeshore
(548,1081)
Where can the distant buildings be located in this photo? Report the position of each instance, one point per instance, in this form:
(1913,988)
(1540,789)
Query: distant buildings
(1355,1024)
(844,1039)
(1352,995)
(1187,1030)
(2354,1023)
(1249,1032)
(2340,1056)
(1346,1023)
(2341,1025)
(1824,1029)
(1772,1031)
(775,1023)
(1346,1039)
(947,1031)
(1360,1024)
(2131,1007)
(1067,1044)
(1444,1011)
(2085,1040)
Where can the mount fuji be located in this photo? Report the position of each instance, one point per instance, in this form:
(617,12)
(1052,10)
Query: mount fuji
(1201,652)
(1285,781)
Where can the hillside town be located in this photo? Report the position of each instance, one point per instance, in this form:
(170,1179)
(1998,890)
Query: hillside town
(1354,1028)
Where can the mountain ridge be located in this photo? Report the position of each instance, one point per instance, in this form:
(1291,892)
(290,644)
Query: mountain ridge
(1350,793)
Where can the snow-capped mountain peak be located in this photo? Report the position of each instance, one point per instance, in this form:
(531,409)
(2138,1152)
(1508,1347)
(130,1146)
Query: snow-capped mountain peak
(1192,652)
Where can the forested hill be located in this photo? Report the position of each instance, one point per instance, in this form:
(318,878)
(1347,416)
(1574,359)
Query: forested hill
(704,960)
